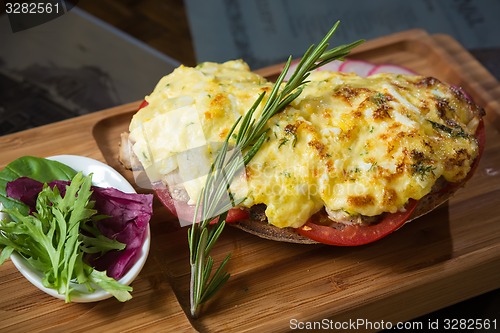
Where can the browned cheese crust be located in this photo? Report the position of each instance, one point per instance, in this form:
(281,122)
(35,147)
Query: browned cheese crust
(440,193)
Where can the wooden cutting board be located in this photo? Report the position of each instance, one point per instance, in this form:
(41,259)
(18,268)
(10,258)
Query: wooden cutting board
(445,257)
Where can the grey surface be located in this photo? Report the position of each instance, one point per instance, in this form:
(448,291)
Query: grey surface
(72,65)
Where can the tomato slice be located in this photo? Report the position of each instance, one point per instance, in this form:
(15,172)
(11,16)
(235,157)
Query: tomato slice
(143,104)
(353,235)
(186,212)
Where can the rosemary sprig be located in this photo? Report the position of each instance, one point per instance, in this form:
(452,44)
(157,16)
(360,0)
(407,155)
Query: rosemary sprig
(216,198)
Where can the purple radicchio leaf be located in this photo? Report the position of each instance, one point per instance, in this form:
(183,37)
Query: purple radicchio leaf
(128,223)
(25,190)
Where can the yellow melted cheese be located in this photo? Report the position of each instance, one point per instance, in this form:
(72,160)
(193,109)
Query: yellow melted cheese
(350,144)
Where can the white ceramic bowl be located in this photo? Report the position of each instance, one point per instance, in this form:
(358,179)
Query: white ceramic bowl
(103,176)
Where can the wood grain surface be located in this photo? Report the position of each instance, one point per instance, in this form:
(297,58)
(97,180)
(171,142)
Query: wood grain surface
(450,255)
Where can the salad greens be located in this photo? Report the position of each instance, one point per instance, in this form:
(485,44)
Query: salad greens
(51,242)
(67,229)
(125,219)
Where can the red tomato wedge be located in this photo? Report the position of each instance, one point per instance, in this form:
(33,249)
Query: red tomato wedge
(353,235)
(186,212)
(143,104)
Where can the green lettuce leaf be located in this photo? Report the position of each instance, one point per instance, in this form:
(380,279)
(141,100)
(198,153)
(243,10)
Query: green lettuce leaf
(36,168)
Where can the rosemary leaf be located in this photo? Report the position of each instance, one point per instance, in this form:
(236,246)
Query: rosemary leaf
(213,203)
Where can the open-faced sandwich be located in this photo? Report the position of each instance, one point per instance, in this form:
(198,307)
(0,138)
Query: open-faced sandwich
(346,163)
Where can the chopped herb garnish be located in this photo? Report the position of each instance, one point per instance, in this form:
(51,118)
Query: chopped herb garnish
(422,170)
(456,131)
(379,98)
(283,141)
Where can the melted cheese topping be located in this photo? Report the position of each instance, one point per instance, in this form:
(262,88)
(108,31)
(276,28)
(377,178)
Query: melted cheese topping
(361,146)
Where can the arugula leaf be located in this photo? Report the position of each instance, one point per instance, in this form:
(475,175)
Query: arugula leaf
(51,241)
(119,291)
(95,242)
(37,168)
